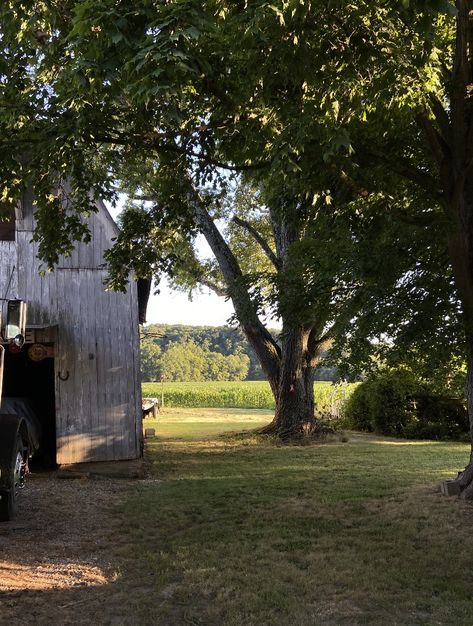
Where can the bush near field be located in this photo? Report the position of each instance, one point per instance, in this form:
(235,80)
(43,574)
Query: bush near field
(329,398)
(397,402)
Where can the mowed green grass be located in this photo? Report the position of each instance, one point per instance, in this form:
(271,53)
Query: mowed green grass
(236,530)
(196,424)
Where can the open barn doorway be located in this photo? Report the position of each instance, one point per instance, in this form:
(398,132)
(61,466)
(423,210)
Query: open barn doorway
(29,374)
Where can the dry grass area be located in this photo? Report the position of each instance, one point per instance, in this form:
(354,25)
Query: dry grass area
(236,531)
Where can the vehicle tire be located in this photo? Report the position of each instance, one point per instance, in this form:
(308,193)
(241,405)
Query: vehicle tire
(11,482)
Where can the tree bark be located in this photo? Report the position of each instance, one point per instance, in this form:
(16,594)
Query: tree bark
(295,406)
(289,367)
(461,256)
(260,339)
(451,146)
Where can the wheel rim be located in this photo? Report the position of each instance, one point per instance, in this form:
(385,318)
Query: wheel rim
(19,472)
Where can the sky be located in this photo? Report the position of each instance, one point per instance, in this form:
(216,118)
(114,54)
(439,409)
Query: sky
(171,307)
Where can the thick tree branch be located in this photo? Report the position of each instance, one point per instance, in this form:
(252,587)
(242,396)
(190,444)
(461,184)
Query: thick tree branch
(424,219)
(257,334)
(317,345)
(351,184)
(260,239)
(413,174)
(235,167)
(441,117)
(219,290)
(437,145)
(410,172)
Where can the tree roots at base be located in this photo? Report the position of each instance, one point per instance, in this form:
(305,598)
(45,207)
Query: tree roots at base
(462,485)
(310,429)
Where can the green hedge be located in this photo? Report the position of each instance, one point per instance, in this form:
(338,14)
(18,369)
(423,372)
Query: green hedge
(395,402)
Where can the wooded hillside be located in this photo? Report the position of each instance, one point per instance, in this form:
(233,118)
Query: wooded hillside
(198,353)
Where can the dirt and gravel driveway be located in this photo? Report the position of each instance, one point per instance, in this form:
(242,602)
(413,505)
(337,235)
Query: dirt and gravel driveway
(61,561)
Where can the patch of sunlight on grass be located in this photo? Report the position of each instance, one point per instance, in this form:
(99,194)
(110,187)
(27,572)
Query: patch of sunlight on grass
(198,424)
(408,442)
(46,576)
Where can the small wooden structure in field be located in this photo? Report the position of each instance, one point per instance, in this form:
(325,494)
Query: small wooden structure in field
(79,366)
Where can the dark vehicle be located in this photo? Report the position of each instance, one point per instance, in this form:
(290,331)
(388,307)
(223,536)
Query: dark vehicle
(19,426)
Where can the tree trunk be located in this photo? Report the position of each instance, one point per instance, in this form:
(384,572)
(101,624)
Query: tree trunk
(452,148)
(289,368)
(461,256)
(455,174)
(294,414)
(295,407)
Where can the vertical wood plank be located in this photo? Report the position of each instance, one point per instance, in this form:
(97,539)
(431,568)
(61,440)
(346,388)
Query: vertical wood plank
(97,406)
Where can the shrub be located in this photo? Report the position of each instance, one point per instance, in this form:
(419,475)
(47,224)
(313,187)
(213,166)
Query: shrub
(357,414)
(396,402)
(438,417)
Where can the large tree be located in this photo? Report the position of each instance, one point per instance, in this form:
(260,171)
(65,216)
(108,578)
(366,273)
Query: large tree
(260,262)
(448,130)
(425,142)
(173,94)
(306,99)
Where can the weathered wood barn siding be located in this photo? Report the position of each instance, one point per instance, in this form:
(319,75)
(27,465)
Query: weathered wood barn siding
(95,336)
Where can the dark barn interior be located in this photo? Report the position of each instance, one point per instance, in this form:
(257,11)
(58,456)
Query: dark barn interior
(34,380)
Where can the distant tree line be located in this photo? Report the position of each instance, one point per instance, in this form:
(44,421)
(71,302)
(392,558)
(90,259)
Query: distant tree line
(198,353)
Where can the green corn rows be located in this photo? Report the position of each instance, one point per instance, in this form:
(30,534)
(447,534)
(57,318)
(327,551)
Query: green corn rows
(329,398)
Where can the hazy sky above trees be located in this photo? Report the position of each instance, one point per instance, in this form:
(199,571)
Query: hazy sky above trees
(172,307)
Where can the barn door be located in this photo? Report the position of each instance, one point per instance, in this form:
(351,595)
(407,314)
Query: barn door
(97,382)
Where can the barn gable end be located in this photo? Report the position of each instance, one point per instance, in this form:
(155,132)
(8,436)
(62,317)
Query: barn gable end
(92,335)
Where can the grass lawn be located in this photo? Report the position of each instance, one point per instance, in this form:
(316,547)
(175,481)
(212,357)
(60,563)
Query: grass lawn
(198,424)
(234,531)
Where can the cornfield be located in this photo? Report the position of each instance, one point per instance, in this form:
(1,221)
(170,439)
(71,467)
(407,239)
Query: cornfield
(329,398)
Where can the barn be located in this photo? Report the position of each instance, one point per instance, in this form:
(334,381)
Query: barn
(79,366)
